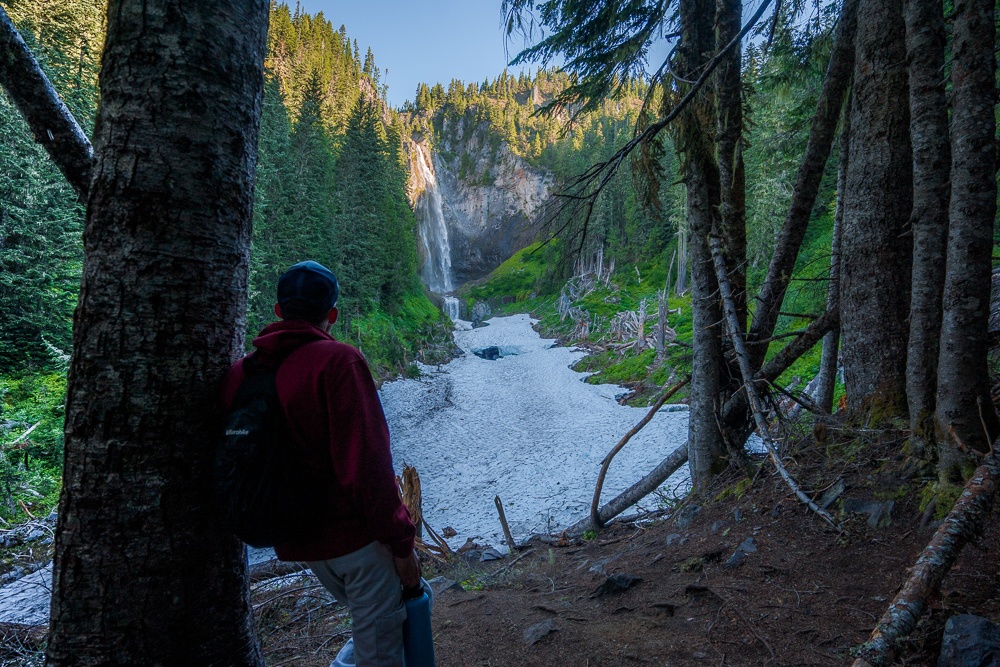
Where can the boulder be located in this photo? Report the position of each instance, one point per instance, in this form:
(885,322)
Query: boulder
(480,311)
(440,585)
(970,641)
(491,353)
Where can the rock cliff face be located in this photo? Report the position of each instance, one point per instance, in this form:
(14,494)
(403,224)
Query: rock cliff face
(491,198)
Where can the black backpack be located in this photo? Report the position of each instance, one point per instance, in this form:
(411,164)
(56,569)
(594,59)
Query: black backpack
(268,493)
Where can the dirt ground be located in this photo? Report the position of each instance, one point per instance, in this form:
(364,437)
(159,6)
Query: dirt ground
(805,596)
(800,594)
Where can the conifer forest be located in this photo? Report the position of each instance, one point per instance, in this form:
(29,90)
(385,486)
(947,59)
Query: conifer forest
(707,294)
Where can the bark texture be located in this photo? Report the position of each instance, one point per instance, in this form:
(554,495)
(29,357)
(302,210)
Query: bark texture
(964,409)
(701,175)
(52,124)
(925,44)
(875,282)
(793,230)
(144,572)
(827,380)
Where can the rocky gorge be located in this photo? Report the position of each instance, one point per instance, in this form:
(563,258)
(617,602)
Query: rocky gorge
(490,200)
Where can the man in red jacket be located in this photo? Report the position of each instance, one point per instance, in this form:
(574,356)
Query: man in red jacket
(362,546)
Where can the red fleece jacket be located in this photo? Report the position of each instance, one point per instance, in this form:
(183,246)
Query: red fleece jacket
(336,420)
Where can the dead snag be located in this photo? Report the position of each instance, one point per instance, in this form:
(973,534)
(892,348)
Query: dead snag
(410,492)
(964,522)
(51,122)
(739,345)
(595,515)
(511,544)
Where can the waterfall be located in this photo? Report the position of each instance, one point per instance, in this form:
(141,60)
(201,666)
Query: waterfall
(436,271)
(452,307)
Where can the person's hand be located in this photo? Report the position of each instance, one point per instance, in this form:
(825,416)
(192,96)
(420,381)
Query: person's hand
(408,570)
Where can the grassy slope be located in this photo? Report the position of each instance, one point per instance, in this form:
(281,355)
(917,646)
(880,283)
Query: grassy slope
(519,285)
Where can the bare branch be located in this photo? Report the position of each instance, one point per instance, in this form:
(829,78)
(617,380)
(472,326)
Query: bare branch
(733,411)
(595,514)
(749,386)
(51,122)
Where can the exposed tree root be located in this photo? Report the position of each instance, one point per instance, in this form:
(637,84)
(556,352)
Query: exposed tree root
(963,523)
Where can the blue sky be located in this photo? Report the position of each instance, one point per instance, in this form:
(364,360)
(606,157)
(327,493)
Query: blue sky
(424,40)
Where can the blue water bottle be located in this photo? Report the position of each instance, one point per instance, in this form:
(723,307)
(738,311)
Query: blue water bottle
(418,638)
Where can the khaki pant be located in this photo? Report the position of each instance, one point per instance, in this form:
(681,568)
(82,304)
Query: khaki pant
(366,582)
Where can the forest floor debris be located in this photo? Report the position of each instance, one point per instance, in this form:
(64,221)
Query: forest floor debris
(802,594)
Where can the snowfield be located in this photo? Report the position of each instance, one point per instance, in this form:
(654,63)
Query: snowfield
(524,427)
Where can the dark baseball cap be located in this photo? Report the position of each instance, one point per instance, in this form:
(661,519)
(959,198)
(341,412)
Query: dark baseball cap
(308,284)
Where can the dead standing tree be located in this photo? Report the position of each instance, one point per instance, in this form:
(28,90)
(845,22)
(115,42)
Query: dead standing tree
(160,317)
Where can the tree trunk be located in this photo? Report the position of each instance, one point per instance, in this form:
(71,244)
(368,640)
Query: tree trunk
(925,44)
(144,572)
(793,230)
(732,177)
(964,410)
(875,283)
(51,123)
(701,174)
(680,286)
(827,380)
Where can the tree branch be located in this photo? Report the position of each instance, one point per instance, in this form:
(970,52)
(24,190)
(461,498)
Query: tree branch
(749,386)
(51,122)
(595,514)
(577,189)
(734,409)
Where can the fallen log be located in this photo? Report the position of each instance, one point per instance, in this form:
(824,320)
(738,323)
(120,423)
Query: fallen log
(595,515)
(964,522)
(749,385)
